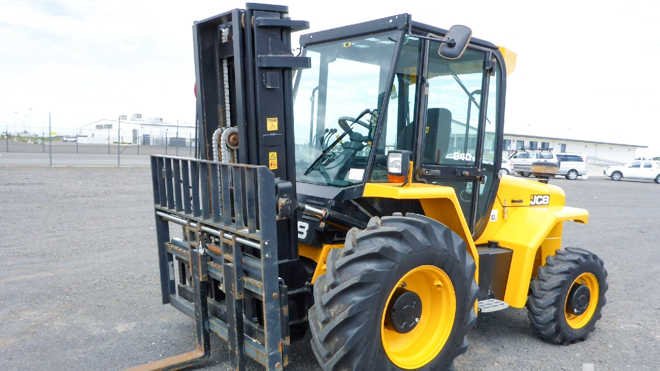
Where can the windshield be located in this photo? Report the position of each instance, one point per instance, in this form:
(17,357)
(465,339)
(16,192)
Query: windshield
(336,107)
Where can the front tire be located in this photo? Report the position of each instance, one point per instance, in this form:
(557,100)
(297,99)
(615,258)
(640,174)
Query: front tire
(657,179)
(567,296)
(399,295)
(616,176)
(572,175)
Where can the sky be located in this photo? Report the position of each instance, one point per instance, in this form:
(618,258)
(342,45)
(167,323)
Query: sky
(585,69)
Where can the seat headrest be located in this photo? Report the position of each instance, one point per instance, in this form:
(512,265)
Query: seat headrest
(438,115)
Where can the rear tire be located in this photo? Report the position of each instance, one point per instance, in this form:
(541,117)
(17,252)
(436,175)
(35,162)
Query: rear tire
(572,175)
(350,320)
(559,313)
(616,176)
(657,179)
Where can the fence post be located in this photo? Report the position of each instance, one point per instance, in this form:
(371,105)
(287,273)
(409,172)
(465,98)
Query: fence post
(7,138)
(118,139)
(50,142)
(177,138)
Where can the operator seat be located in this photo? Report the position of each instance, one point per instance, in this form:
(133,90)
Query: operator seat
(436,134)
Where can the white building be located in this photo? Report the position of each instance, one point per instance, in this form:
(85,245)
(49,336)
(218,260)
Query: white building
(136,130)
(593,150)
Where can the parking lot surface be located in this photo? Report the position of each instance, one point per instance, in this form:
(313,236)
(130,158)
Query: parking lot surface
(79,285)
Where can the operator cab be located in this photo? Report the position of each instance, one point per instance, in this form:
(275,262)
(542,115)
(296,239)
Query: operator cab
(368,89)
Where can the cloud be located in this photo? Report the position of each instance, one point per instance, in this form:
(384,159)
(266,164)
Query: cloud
(583,67)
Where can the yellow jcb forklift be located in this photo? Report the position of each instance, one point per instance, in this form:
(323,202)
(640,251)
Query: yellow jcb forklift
(351,193)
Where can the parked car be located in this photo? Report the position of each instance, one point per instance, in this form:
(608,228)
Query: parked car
(635,170)
(541,163)
(507,167)
(571,165)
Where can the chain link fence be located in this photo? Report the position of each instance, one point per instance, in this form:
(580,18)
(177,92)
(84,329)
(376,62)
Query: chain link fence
(38,150)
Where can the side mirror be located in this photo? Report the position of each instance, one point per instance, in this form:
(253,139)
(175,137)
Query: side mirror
(455,42)
(398,166)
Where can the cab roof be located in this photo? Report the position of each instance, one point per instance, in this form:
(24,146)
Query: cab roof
(396,22)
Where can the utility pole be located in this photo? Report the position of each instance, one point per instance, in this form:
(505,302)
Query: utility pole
(7,138)
(118,139)
(50,142)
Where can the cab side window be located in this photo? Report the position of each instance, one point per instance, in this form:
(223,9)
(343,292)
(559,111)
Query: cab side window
(452,115)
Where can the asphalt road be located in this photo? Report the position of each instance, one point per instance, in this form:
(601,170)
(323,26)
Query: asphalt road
(79,282)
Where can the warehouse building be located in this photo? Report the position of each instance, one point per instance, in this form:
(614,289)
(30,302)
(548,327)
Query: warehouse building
(136,130)
(596,151)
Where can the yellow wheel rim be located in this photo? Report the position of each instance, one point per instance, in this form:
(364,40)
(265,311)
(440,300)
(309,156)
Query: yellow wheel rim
(590,281)
(423,343)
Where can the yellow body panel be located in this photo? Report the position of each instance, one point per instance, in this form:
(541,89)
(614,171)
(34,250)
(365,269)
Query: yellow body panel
(526,217)
(438,202)
(509,59)
(319,255)
(532,232)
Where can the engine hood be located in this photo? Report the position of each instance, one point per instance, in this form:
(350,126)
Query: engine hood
(520,192)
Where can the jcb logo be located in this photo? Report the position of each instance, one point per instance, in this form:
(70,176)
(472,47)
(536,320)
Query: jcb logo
(540,200)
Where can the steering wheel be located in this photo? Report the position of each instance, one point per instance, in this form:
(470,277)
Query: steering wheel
(356,143)
(345,126)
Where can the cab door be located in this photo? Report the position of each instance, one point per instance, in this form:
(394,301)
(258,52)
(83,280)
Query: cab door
(461,130)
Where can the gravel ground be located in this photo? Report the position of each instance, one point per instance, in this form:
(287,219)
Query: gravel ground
(79,283)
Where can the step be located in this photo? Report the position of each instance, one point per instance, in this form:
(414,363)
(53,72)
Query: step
(492,305)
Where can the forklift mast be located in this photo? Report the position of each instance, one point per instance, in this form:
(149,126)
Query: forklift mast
(243,68)
(254,87)
(236,268)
